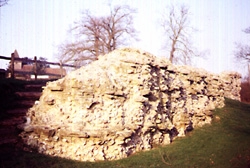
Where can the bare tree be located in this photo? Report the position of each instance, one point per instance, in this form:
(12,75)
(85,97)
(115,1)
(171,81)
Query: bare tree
(87,45)
(243,51)
(3,2)
(118,27)
(176,27)
(242,54)
(99,35)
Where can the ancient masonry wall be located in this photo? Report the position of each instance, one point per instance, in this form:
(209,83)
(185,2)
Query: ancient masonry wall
(125,102)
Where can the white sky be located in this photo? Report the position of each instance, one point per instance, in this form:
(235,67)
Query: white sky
(37,27)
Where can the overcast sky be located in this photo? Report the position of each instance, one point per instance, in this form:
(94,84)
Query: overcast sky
(37,27)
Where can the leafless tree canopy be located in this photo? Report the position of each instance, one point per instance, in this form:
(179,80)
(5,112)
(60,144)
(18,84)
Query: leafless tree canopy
(99,35)
(3,2)
(176,26)
(243,51)
(247,30)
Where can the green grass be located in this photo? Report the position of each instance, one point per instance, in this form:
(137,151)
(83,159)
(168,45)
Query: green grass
(224,143)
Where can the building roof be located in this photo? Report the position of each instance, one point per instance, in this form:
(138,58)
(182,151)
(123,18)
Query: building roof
(16,55)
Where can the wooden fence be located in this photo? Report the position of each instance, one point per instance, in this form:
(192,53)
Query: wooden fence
(35,64)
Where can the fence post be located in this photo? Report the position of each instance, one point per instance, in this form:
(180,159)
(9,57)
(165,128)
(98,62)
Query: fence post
(12,68)
(35,67)
(61,68)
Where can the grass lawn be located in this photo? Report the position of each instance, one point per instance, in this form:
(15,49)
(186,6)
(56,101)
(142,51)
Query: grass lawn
(224,143)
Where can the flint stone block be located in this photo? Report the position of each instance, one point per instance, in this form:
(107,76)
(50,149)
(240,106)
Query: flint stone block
(121,103)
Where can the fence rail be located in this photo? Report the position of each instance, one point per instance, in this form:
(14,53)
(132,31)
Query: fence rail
(35,63)
(6,58)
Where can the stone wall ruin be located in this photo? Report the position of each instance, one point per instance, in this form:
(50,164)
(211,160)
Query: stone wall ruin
(125,102)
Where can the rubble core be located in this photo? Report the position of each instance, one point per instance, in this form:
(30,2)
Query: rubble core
(127,101)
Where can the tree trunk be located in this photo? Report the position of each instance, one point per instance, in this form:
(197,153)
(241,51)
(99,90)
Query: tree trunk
(172,51)
(249,73)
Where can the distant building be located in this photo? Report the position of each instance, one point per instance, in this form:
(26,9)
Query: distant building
(17,64)
(24,70)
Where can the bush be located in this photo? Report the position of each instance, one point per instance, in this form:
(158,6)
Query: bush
(245,92)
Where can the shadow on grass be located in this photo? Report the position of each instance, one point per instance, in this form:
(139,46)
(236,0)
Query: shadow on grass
(224,143)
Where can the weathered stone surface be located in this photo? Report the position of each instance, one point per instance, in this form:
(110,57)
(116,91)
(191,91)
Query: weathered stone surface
(127,101)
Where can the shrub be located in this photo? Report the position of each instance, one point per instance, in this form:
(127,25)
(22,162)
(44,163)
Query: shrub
(245,92)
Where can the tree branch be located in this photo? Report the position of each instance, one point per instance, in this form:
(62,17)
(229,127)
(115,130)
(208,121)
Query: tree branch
(177,29)
(100,35)
(3,2)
